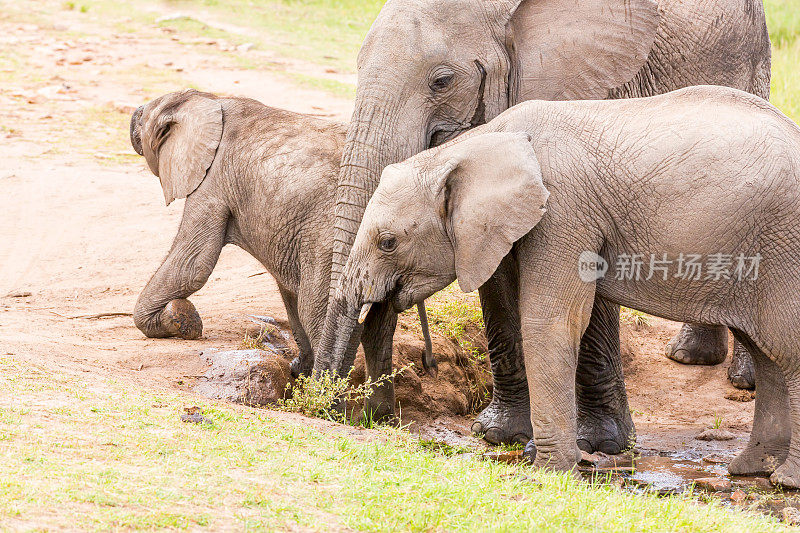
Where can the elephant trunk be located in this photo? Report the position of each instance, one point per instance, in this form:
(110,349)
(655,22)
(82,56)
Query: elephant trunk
(373,142)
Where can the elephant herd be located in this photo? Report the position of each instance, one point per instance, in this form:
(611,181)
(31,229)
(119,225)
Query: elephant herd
(509,144)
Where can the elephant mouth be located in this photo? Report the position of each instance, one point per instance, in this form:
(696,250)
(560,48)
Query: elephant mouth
(442,135)
(399,299)
(395,296)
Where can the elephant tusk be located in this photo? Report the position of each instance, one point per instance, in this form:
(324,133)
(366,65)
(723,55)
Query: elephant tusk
(364,312)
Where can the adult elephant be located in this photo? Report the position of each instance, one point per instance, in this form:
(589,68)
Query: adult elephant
(429,70)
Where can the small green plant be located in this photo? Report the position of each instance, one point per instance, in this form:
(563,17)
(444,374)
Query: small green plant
(717,422)
(635,318)
(510,447)
(442,448)
(265,333)
(328,396)
(630,450)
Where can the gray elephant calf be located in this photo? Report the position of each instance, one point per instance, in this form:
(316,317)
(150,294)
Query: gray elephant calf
(258,177)
(263,179)
(692,200)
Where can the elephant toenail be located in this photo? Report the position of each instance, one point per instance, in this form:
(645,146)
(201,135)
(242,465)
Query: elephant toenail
(609,447)
(529,453)
(477,429)
(493,436)
(520,438)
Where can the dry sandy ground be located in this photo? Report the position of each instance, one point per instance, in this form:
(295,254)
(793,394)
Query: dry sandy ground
(83,226)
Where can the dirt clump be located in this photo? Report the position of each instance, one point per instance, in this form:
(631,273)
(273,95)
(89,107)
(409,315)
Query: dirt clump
(742,396)
(462,386)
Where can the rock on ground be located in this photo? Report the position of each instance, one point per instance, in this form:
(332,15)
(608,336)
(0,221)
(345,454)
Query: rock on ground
(250,377)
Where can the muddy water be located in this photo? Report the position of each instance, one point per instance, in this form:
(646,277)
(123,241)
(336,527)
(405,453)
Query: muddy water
(671,475)
(666,475)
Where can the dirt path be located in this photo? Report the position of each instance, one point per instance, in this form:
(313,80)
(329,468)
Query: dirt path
(82,223)
(83,226)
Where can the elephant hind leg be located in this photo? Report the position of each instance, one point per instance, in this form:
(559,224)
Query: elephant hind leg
(604,418)
(768,447)
(507,419)
(788,473)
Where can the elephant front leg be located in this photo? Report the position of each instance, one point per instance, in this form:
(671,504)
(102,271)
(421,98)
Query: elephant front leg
(377,340)
(162,309)
(604,418)
(553,322)
(507,417)
(699,345)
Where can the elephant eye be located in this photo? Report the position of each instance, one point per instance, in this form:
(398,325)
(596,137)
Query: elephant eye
(387,243)
(441,81)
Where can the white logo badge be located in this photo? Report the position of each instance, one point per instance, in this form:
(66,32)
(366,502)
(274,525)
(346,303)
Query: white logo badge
(591,267)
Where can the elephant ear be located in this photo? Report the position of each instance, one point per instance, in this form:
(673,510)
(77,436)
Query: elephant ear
(491,195)
(579,49)
(180,140)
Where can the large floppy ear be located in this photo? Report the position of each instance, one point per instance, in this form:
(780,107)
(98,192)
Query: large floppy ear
(491,194)
(180,137)
(578,49)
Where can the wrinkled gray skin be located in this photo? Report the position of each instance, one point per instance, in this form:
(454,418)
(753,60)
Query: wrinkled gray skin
(261,178)
(429,70)
(672,173)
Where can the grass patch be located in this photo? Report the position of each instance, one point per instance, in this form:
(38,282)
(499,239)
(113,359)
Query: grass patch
(455,315)
(321,31)
(786,79)
(783,21)
(131,464)
(633,317)
(334,87)
(191,26)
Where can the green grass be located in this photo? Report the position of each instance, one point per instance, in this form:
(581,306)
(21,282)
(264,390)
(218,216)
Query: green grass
(119,458)
(783,20)
(455,315)
(326,32)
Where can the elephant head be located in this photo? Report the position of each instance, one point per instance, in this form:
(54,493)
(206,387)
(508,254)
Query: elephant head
(429,70)
(178,134)
(451,212)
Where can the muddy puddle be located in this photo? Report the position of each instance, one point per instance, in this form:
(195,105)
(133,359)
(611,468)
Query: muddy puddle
(664,475)
(705,478)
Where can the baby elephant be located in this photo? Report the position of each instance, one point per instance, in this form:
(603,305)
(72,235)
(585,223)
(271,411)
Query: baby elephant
(685,206)
(261,178)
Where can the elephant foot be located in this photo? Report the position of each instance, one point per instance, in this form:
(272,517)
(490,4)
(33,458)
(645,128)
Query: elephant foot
(379,405)
(787,475)
(179,318)
(504,423)
(609,434)
(742,373)
(699,345)
(559,462)
(380,413)
(301,366)
(759,459)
